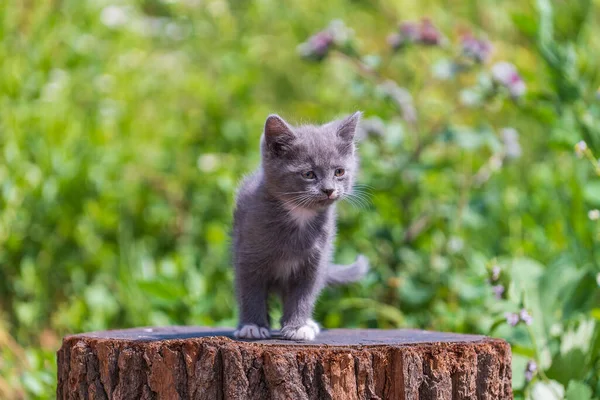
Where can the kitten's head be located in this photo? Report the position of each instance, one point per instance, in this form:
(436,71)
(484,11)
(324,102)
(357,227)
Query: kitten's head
(309,166)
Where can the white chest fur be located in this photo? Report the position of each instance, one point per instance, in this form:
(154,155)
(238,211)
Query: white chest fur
(301,216)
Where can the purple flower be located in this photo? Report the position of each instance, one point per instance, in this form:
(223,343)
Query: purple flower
(477,49)
(495,273)
(498,291)
(530,370)
(410,31)
(506,74)
(318,45)
(510,137)
(395,40)
(429,34)
(512,318)
(414,32)
(528,376)
(580,148)
(525,317)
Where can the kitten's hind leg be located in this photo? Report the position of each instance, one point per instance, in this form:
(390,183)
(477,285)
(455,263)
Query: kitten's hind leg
(254,318)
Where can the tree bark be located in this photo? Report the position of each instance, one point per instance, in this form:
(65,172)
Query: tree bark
(206,363)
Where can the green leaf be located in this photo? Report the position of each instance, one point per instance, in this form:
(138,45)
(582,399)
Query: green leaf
(558,289)
(414,293)
(32,383)
(591,193)
(594,351)
(578,390)
(384,311)
(525,272)
(164,289)
(526,24)
(582,295)
(523,351)
(571,365)
(546,25)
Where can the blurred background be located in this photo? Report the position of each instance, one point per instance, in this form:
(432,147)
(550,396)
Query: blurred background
(125,127)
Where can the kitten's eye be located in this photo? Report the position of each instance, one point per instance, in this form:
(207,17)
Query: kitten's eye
(309,175)
(339,172)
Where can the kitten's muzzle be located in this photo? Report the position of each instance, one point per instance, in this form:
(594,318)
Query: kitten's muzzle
(328,192)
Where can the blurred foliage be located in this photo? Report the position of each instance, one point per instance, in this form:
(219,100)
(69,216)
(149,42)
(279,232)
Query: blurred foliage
(125,127)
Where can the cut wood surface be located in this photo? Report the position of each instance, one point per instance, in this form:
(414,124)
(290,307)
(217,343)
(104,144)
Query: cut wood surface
(207,363)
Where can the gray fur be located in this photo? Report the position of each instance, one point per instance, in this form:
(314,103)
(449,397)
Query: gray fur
(279,249)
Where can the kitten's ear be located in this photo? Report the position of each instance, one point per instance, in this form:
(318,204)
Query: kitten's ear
(278,134)
(347,128)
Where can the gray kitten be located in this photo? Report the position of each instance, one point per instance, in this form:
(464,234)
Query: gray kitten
(284,224)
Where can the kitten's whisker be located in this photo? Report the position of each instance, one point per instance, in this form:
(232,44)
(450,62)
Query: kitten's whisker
(307,201)
(349,199)
(358,205)
(361,191)
(354,203)
(291,201)
(294,199)
(361,195)
(364,199)
(359,202)
(300,201)
(284,193)
(363,185)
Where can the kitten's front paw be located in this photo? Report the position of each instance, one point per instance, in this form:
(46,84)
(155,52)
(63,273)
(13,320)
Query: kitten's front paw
(252,331)
(303,332)
(314,326)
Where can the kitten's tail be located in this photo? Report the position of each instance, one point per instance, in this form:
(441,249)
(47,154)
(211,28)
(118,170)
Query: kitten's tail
(338,274)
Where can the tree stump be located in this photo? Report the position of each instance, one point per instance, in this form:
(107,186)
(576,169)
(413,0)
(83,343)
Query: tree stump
(207,363)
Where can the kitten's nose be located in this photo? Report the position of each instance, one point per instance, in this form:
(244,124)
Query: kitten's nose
(327,192)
